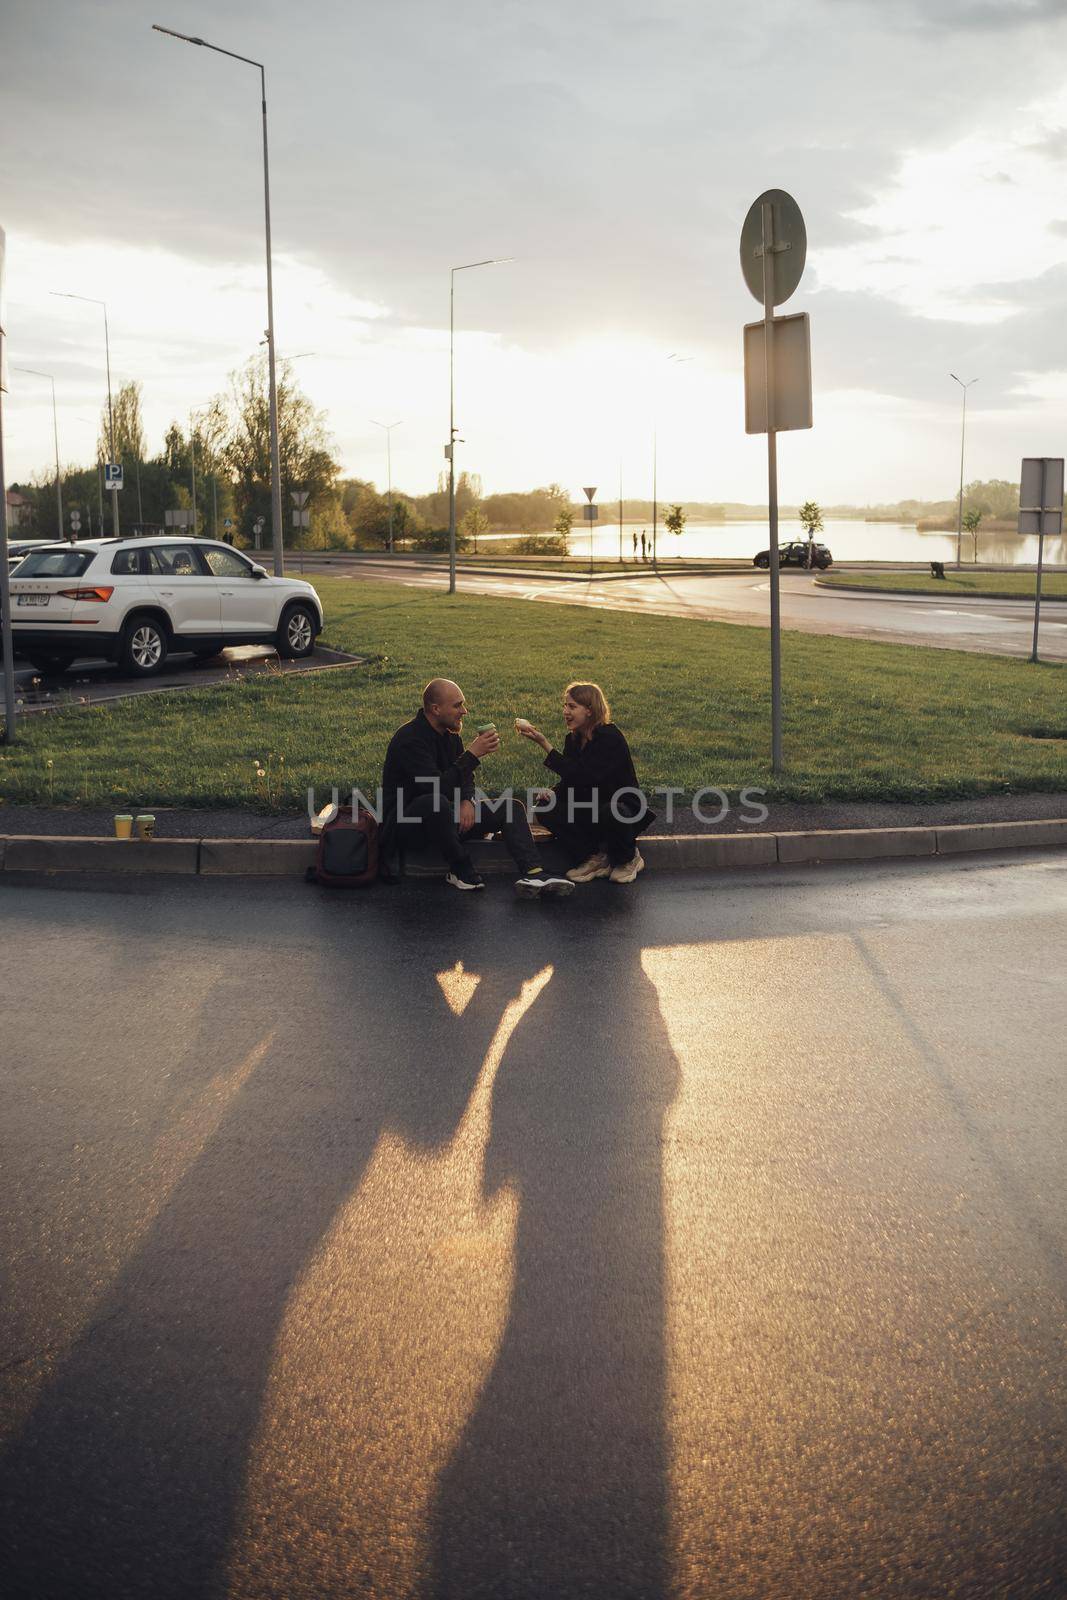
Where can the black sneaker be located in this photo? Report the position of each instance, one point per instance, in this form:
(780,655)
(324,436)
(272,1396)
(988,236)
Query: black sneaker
(464,876)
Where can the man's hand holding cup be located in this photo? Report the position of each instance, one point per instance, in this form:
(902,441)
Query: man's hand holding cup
(485,741)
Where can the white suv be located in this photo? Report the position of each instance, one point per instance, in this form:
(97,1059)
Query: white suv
(135,601)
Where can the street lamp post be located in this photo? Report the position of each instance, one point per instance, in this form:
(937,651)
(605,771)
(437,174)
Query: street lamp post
(388,429)
(60,294)
(680,360)
(450,451)
(963,436)
(275,454)
(192,467)
(33,373)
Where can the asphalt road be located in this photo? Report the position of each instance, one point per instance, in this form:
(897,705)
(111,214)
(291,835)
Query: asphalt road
(89,682)
(700,1239)
(1000,627)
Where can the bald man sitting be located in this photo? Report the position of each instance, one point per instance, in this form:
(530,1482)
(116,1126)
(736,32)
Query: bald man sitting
(429,797)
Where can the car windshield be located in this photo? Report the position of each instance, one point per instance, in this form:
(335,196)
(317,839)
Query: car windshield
(54,564)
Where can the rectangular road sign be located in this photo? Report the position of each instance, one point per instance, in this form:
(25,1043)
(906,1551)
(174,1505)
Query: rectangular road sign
(792,375)
(301,519)
(1041,513)
(112,475)
(591,513)
(178,519)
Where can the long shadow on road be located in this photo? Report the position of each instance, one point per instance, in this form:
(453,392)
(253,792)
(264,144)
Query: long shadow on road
(129,1473)
(558,1486)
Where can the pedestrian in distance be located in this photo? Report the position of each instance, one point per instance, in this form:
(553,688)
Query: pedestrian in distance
(597,810)
(635,543)
(644,546)
(429,797)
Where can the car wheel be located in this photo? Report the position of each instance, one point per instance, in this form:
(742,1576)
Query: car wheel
(144,647)
(296,632)
(763,562)
(49,666)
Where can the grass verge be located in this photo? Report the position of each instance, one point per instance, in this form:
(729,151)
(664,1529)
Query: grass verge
(862,720)
(975,585)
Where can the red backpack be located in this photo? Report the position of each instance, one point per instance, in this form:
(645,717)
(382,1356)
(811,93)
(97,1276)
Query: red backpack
(348,852)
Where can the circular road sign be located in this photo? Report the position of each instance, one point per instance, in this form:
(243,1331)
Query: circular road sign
(789,246)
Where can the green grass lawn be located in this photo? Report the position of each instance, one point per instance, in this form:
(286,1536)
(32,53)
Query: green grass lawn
(861,720)
(983,585)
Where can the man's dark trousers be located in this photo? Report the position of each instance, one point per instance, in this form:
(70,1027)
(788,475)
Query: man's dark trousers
(431,820)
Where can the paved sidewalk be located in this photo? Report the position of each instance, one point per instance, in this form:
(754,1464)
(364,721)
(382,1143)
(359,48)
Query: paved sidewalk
(783,817)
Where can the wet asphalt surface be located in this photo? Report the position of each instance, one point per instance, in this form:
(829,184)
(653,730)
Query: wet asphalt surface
(698,1239)
(90,682)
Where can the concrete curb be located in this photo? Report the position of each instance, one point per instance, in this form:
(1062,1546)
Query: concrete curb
(856,844)
(696,852)
(932,594)
(53,853)
(256,858)
(1000,836)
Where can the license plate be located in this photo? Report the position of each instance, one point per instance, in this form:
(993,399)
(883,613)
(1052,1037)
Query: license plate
(33,599)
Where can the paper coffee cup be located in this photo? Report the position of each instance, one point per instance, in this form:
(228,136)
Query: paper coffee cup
(145,825)
(123,825)
(486,727)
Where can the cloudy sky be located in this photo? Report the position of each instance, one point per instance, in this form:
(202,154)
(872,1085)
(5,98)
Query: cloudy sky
(612,149)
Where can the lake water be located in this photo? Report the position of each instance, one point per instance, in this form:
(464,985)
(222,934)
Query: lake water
(848,541)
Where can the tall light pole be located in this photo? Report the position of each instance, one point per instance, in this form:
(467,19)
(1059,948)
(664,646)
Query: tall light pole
(60,294)
(450,448)
(192,465)
(33,373)
(388,427)
(620,512)
(680,360)
(963,437)
(275,454)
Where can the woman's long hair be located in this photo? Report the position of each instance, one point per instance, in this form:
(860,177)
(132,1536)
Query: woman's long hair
(592,696)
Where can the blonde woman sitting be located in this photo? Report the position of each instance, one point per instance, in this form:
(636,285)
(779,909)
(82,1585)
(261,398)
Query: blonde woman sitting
(597,809)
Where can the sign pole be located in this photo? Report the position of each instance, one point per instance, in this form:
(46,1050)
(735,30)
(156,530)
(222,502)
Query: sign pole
(772,486)
(1040,553)
(5,589)
(589,517)
(6,635)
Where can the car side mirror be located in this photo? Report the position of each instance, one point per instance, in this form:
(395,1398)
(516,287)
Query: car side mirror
(258,572)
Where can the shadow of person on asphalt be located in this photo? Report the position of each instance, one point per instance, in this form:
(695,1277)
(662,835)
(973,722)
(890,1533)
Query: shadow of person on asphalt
(559,1484)
(126,1477)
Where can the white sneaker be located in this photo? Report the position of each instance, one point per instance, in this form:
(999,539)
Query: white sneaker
(597,866)
(629,869)
(533,885)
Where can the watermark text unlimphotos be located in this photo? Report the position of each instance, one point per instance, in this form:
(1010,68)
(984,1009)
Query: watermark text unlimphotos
(710,805)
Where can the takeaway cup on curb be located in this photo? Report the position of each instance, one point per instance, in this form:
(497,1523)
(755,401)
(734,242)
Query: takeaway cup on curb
(145,825)
(123,825)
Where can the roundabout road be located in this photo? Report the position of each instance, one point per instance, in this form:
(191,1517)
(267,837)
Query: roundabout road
(996,627)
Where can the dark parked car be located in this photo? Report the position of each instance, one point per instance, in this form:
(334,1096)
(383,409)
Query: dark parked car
(795,554)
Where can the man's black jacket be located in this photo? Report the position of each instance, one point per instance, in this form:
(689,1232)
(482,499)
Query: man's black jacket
(417,756)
